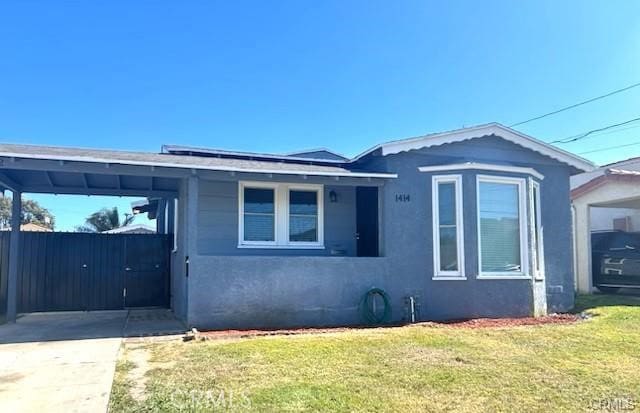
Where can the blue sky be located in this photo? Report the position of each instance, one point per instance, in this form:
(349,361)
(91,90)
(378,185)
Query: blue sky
(278,76)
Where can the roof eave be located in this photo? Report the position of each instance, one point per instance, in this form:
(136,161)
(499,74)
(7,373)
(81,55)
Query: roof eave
(220,168)
(526,141)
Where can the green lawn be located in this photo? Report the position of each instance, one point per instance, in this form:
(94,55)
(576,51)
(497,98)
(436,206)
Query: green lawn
(415,368)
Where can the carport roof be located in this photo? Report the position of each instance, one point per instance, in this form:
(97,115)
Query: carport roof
(66,154)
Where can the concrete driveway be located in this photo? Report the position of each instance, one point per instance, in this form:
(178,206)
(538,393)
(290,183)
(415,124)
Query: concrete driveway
(64,362)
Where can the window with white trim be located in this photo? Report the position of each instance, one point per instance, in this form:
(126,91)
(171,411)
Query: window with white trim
(303,215)
(536,226)
(278,215)
(502,240)
(259,214)
(448,229)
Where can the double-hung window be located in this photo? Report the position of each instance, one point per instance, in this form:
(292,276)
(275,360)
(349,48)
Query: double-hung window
(502,239)
(279,215)
(259,215)
(448,238)
(303,216)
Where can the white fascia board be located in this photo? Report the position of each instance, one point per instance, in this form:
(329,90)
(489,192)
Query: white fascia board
(479,131)
(220,168)
(482,167)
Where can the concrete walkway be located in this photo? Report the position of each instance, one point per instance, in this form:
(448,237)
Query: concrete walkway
(64,362)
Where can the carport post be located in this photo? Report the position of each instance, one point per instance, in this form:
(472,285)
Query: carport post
(582,232)
(14,256)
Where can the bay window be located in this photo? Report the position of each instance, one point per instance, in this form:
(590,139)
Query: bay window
(502,241)
(279,215)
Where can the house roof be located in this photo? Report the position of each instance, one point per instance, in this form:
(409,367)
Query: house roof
(608,175)
(632,160)
(29,227)
(496,129)
(181,161)
(310,162)
(193,150)
(624,167)
(319,153)
(131,229)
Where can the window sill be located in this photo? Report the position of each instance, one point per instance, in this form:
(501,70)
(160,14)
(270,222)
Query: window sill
(503,277)
(448,278)
(282,247)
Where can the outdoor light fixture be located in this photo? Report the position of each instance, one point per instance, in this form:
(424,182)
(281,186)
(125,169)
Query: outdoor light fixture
(333,197)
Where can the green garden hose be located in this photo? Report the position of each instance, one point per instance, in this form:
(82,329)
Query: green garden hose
(370,314)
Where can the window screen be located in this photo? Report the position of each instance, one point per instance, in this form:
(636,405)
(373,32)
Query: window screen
(259,214)
(499,227)
(303,216)
(447,226)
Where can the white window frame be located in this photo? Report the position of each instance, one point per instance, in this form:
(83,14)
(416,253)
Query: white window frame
(537,247)
(257,185)
(319,189)
(281,215)
(439,274)
(175,225)
(522,210)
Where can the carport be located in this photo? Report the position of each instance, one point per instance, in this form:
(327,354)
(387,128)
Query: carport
(38,169)
(608,189)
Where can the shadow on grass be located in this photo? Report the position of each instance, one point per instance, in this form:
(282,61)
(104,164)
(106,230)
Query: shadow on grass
(587,302)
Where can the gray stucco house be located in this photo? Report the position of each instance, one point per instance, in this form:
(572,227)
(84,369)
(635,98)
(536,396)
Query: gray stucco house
(469,223)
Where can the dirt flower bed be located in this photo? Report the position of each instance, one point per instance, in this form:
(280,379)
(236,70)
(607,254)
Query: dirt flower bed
(473,323)
(221,334)
(508,322)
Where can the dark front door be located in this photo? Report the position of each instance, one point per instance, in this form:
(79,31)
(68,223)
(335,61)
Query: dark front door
(367,221)
(146,276)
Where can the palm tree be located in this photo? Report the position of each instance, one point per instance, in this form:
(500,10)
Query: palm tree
(104,220)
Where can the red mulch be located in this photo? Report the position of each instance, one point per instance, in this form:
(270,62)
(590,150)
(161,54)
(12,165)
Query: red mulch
(507,322)
(473,323)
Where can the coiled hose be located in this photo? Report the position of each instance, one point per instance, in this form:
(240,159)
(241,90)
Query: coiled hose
(370,314)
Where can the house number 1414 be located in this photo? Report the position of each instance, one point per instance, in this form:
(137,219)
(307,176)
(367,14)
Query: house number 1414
(403,198)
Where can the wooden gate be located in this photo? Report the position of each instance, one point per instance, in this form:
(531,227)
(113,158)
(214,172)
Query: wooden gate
(61,271)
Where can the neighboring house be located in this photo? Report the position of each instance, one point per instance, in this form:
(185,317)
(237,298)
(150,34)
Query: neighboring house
(454,220)
(30,227)
(607,198)
(131,229)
